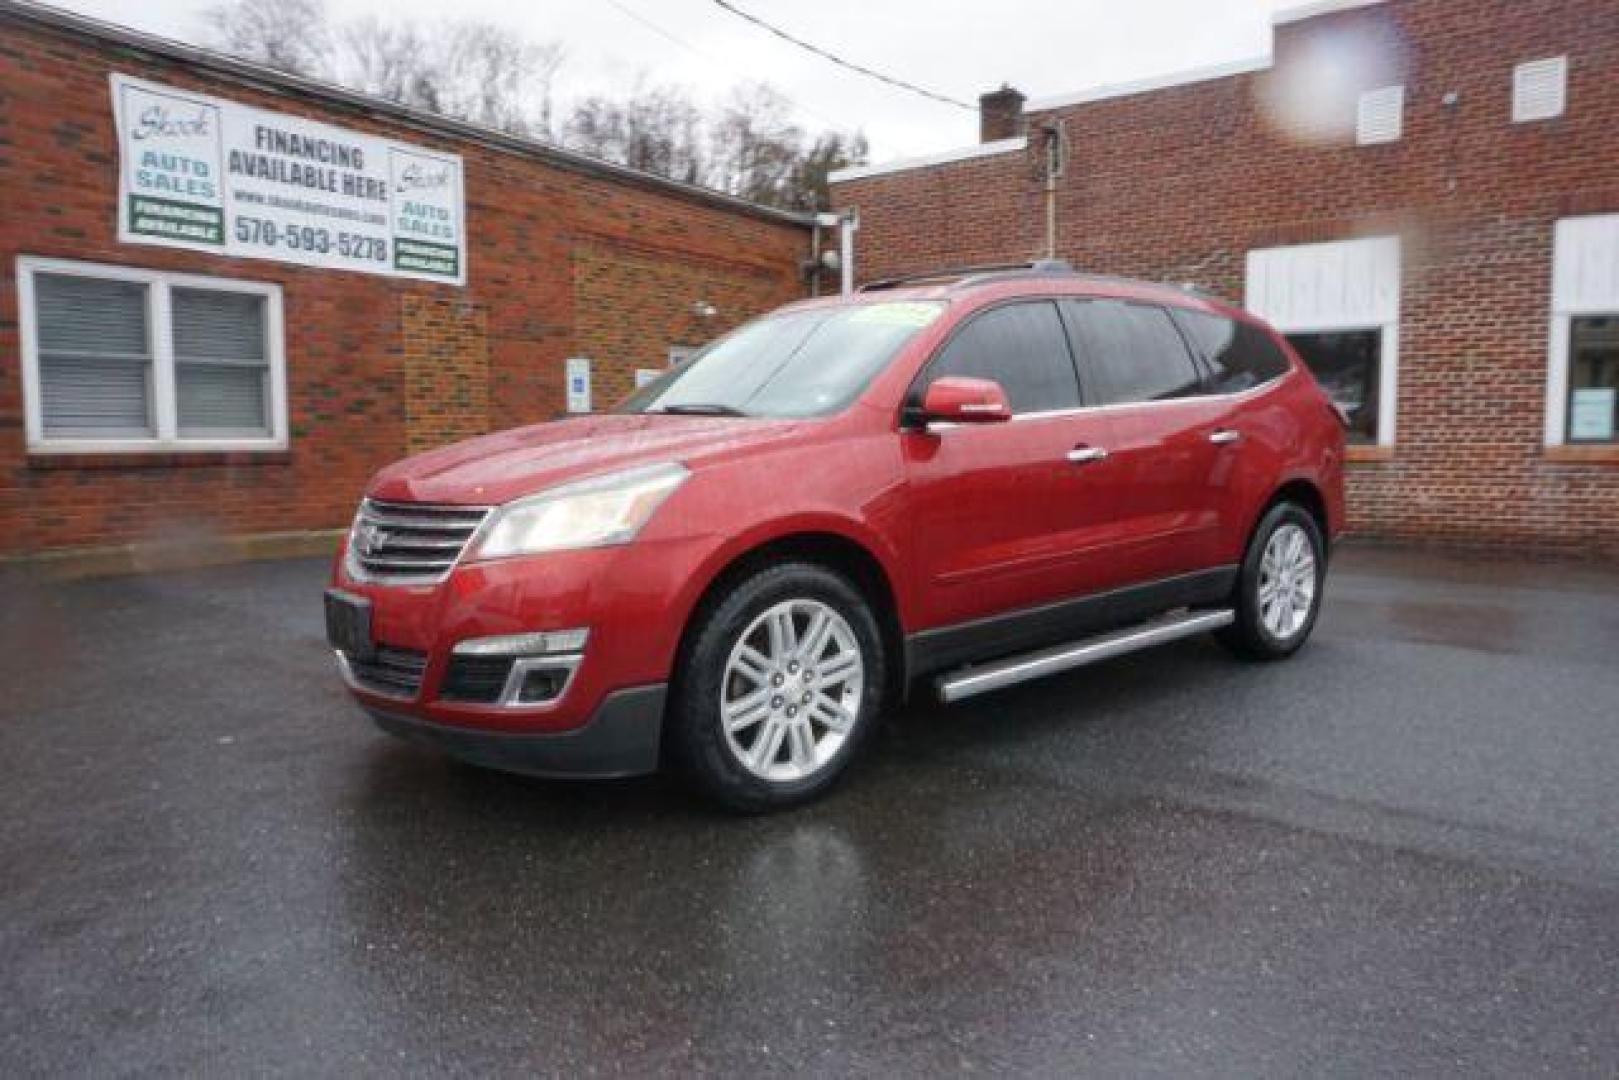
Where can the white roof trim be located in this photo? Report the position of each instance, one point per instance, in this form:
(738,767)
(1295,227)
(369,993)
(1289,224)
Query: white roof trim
(1195,75)
(1319,7)
(967,153)
(1142,86)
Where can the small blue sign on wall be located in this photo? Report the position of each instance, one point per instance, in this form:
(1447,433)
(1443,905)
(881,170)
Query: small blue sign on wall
(578,375)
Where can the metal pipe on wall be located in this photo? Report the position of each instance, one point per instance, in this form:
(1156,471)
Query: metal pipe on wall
(847,226)
(1056,153)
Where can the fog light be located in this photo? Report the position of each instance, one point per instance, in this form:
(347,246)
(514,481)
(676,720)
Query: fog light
(539,643)
(542,684)
(539,680)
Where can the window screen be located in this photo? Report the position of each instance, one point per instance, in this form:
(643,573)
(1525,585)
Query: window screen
(1346,364)
(1239,355)
(1020,346)
(1593,406)
(95,357)
(221,364)
(1133,352)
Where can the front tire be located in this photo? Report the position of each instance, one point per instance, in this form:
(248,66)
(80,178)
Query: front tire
(1279,588)
(781,683)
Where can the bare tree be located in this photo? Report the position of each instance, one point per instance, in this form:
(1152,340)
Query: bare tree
(385,59)
(476,71)
(755,144)
(808,189)
(657,130)
(484,73)
(491,76)
(289,35)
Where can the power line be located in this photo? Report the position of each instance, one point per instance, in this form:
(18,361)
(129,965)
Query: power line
(695,51)
(840,61)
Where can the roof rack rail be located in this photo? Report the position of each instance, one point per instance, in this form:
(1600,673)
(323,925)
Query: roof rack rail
(1192,288)
(963,274)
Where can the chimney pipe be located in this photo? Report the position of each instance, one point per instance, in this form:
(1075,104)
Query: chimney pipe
(1000,114)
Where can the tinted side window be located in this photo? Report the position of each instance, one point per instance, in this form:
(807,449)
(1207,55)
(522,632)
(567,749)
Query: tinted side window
(1133,352)
(1020,346)
(1240,355)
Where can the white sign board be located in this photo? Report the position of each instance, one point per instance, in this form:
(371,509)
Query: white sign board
(1592,414)
(578,375)
(644,375)
(212,175)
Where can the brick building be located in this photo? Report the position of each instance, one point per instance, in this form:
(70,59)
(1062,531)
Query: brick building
(1423,194)
(223,338)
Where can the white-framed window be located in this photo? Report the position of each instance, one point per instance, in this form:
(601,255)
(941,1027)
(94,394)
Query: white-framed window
(1582,374)
(1338,304)
(1539,89)
(1380,116)
(119,359)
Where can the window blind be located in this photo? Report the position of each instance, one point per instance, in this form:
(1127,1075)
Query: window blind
(95,357)
(221,364)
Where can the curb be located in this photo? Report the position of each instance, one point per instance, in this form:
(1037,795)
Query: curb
(149,558)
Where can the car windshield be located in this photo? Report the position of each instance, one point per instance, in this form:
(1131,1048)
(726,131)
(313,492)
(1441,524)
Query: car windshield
(797,363)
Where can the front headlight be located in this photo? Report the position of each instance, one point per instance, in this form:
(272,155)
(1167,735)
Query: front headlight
(598,512)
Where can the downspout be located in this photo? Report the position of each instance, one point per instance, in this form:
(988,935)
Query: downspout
(1056,153)
(815,255)
(848,224)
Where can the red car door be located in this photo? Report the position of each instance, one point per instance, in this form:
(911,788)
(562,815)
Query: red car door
(1014,514)
(1254,421)
(1171,457)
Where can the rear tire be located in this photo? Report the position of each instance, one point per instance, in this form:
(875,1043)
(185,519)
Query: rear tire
(780,685)
(1279,587)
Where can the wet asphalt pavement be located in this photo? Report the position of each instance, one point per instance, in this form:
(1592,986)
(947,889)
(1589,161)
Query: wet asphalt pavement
(1396,854)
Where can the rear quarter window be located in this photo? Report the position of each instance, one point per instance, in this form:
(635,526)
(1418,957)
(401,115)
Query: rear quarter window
(1239,354)
(1133,353)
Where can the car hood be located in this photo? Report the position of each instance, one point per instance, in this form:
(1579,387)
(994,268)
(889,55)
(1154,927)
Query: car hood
(497,468)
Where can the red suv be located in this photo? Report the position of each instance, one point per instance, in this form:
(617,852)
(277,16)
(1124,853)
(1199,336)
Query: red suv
(971,481)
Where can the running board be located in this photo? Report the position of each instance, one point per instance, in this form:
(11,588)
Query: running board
(986,677)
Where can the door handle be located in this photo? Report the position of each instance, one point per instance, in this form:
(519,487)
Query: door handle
(1224,436)
(1081,455)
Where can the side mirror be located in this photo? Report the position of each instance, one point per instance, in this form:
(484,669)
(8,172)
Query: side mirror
(957,400)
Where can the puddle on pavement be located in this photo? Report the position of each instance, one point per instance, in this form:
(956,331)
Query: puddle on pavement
(1480,627)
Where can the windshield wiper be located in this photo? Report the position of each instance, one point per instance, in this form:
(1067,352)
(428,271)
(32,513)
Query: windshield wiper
(698,409)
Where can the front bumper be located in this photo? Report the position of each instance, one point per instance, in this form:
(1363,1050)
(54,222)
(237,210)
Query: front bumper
(621,738)
(630,599)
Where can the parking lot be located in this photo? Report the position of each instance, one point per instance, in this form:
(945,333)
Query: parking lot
(1398,853)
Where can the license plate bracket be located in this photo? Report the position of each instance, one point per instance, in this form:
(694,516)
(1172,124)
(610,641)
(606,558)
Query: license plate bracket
(348,625)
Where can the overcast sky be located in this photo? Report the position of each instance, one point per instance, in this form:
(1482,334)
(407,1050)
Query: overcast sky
(955,47)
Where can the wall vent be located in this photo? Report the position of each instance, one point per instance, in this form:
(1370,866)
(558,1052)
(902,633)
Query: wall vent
(1380,116)
(1539,89)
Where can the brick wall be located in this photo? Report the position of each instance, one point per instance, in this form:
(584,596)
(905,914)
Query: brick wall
(376,367)
(630,306)
(1179,183)
(446,358)
(982,210)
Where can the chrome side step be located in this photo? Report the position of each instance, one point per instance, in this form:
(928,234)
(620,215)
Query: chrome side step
(983,678)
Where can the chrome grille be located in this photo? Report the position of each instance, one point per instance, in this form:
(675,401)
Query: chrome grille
(410,543)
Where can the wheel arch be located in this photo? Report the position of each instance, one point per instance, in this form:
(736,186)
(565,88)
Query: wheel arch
(830,548)
(1307,494)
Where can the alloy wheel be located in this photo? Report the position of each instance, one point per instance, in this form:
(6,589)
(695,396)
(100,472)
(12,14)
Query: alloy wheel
(792,690)
(1287,582)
